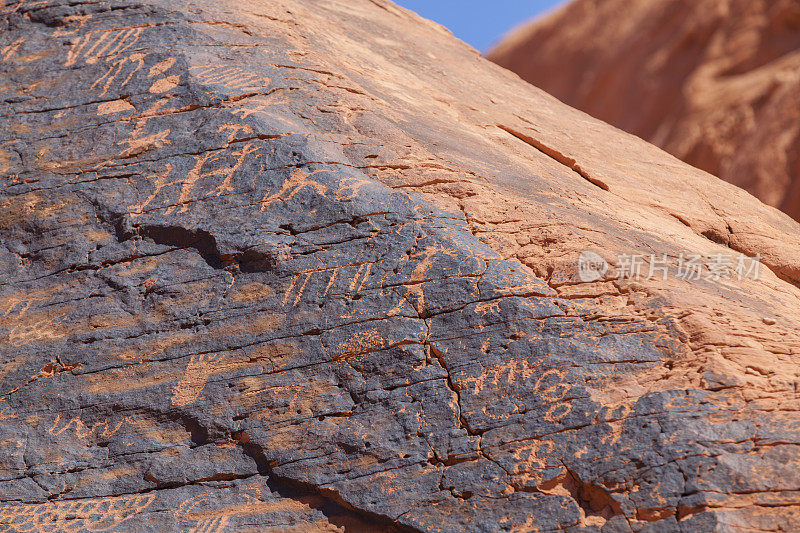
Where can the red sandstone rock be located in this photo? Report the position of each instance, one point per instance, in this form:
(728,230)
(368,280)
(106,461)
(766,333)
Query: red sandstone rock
(714,82)
(313,266)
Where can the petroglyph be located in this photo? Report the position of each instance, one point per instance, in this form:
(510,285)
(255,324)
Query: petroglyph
(17,307)
(165,84)
(161,67)
(241,157)
(360,343)
(521,378)
(292,186)
(349,188)
(29,4)
(233,78)
(102,429)
(117,106)
(43,330)
(7,52)
(126,66)
(70,27)
(102,45)
(210,513)
(6,412)
(530,459)
(348,279)
(344,287)
(214,524)
(140,142)
(199,369)
(259,105)
(101,514)
(160,181)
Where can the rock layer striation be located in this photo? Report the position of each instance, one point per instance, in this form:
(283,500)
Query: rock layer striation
(312,266)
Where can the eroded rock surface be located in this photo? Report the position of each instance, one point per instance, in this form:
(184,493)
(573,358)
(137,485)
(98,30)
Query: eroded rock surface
(311,265)
(714,82)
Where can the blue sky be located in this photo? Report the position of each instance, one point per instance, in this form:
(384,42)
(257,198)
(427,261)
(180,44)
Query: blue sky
(479,22)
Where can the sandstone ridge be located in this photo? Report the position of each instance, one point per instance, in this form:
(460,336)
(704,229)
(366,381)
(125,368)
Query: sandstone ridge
(713,82)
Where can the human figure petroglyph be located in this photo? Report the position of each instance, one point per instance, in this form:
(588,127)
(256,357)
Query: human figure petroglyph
(194,175)
(226,172)
(160,180)
(241,155)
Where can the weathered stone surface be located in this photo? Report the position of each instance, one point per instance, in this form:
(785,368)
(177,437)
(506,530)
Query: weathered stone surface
(312,265)
(714,82)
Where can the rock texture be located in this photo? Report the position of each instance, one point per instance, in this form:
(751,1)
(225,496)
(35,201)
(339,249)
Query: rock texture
(714,82)
(311,266)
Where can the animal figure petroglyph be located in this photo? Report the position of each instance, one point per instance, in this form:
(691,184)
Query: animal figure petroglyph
(129,65)
(258,105)
(292,186)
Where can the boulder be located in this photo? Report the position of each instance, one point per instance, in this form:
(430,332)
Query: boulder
(318,266)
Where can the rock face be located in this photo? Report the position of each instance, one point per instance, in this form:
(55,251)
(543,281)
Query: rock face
(311,266)
(714,82)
